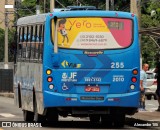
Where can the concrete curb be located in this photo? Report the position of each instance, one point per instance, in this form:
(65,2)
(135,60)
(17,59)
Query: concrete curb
(10,95)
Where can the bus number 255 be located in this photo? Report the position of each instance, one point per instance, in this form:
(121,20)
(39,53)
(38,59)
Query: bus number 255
(117,65)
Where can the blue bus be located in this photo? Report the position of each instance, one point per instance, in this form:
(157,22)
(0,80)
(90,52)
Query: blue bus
(78,62)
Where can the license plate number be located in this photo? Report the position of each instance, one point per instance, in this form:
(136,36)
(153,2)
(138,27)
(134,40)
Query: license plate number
(92,89)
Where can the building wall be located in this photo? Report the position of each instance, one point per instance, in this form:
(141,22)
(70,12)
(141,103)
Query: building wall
(10,65)
(2,11)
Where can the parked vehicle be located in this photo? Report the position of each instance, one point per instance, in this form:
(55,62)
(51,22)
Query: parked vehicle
(151,85)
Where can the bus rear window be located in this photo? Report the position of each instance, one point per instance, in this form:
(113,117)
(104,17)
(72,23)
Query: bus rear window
(93,33)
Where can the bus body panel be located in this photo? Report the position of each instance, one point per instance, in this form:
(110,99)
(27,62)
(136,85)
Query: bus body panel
(110,81)
(28,79)
(125,100)
(74,70)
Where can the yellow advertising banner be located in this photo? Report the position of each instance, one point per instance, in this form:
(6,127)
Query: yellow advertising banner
(88,33)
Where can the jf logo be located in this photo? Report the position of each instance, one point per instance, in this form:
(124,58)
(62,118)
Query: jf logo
(69,77)
(70,65)
(72,75)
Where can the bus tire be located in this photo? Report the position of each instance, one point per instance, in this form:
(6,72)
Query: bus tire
(38,117)
(107,120)
(52,115)
(94,118)
(119,120)
(119,124)
(28,116)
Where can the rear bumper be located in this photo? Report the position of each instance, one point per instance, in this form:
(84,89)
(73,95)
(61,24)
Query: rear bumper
(52,99)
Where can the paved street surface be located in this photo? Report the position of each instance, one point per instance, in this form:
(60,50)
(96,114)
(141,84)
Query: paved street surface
(9,112)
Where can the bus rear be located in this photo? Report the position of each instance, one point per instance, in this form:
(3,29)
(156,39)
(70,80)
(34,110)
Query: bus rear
(94,71)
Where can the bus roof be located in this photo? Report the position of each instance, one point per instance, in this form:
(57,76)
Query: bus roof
(81,8)
(32,19)
(41,18)
(93,13)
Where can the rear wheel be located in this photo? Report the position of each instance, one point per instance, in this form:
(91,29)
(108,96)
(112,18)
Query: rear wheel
(52,115)
(107,120)
(94,118)
(28,116)
(119,120)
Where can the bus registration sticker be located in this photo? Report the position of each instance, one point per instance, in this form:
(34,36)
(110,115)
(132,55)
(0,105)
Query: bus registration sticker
(92,89)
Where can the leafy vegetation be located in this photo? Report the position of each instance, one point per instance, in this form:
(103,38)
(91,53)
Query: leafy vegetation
(148,47)
(1,44)
(10,39)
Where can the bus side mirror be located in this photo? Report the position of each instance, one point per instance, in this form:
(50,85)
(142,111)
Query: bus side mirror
(56,60)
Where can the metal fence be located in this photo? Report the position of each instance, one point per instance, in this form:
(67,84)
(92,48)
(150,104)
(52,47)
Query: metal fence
(6,80)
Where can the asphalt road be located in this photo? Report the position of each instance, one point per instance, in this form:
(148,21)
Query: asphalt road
(10,112)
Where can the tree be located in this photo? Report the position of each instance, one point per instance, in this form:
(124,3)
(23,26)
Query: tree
(122,5)
(27,7)
(12,46)
(149,49)
(147,19)
(1,44)
(10,40)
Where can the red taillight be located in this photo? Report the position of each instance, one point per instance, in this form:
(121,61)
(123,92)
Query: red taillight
(134,79)
(49,79)
(155,82)
(116,99)
(68,99)
(50,15)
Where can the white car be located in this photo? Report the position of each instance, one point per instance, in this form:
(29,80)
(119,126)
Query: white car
(151,85)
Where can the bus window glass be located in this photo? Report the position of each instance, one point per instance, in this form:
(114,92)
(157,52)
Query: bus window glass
(39,32)
(29,33)
(35,33)
(34,36)
(94,33)
(22,34)
(41,44)
(28,43)
(19,43)
(24,44)
(25,34)
(36,50)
